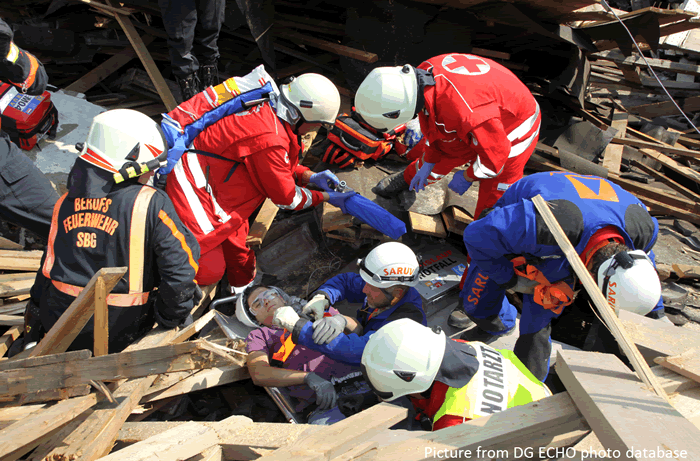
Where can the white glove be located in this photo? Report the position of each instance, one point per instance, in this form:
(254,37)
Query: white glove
(285,317)
(316,307)
(525,285)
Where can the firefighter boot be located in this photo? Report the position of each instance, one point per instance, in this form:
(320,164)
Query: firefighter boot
(391,185)
(208,75)
(189,86)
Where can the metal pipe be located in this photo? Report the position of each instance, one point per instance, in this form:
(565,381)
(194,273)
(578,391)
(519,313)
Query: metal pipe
(282,403)
(213,305)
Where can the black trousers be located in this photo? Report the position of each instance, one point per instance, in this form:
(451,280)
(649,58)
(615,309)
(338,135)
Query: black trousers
(26,195)
(193,28)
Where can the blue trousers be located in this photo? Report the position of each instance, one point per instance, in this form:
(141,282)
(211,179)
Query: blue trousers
(485,302)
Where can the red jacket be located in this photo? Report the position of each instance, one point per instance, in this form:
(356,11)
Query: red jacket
(477,111)
(214,196)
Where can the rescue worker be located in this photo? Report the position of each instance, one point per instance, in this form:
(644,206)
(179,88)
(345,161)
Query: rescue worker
(275,361)
(511,247)
(27,196)
(385,287)
(472,112)
(193,28)
(240,160)
(449,381)
(99,223)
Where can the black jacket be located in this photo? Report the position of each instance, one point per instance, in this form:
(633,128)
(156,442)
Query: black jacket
(19,68)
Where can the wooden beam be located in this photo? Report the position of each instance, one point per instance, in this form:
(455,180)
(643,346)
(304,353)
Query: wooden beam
(332,218)
(656,146)
(9,337)
(672,381)
(613,152)
(204,379)
(146,59)
(135,364)
(94,437)
(331,47)
(606,311)
(429,225)
(451,224)
(72,321)
(7,244)
(194,328)
(11,320)
(666,180)
(45,360)
(617,57)
(659,109)
(338,438)
(686,364)
(623,414)
(101,322)
(16,440)
(655,338)
(516,427)
(106,69)
(262,223)
(672,164)
(20,260)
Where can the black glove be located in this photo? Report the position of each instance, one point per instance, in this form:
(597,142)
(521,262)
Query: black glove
(325,392)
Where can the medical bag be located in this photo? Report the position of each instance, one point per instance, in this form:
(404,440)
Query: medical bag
(26,118)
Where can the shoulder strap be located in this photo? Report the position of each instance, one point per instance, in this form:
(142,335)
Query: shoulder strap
(137,238)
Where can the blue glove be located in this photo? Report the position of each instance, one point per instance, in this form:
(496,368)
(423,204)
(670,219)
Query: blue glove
(174,154)
(326,180)
(420,180)
(338,199)
(459,183)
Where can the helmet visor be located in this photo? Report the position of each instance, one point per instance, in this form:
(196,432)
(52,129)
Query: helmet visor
(380,394)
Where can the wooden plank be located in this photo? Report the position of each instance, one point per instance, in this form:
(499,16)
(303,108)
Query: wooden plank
(666,180)
(19,264)
(215,453)
(179,443)
(101,328)
(45,360)
(338,438)
(617,57)
(16,287)
(7,244)
(69,325)
(256,439)
(13,308)
(605,310)
(657,339)
(451,224)
(659,109)
(262,223)
(16,440)
(209,293)
(331,47)
(656,146)
(621,411)
(461,216)
(332,218)
(11,320)
(9,337)
(94,437)
(686,364)
(613,152)
(146,59)
(547,418)
(9,416)
(194,328)
(643,191)
(429,225)
(134,364)
(106,69)
(204,379)
(672,164)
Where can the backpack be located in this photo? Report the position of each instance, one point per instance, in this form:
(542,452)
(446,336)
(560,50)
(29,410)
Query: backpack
(26,118)
(350,140)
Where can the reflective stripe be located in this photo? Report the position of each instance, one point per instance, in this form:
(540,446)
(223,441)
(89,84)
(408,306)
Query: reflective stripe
(178,235)
(137,237)
(200,215)
(521,147)
(299,193)
(13,54)
(50,254)
(200,181)
(481,172)
(526,126)
(113,299)
(33,67)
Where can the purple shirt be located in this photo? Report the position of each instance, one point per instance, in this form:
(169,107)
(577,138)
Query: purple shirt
(267,340)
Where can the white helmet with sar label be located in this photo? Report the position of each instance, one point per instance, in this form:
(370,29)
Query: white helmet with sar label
(390,264)
(315,97)
(630,282)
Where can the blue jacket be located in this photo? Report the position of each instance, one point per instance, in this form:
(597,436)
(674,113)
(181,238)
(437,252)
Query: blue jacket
(581,204)
(348,348)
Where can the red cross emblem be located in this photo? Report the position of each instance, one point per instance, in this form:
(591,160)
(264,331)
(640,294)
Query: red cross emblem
(465,64)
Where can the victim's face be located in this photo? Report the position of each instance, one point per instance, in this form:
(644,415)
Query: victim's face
(263,303)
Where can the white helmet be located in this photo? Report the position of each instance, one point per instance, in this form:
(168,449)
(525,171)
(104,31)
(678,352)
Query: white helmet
(387,97)
(630,282)
(243,313)
(389,264)
(314,96)
(402,357)
(122,135)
